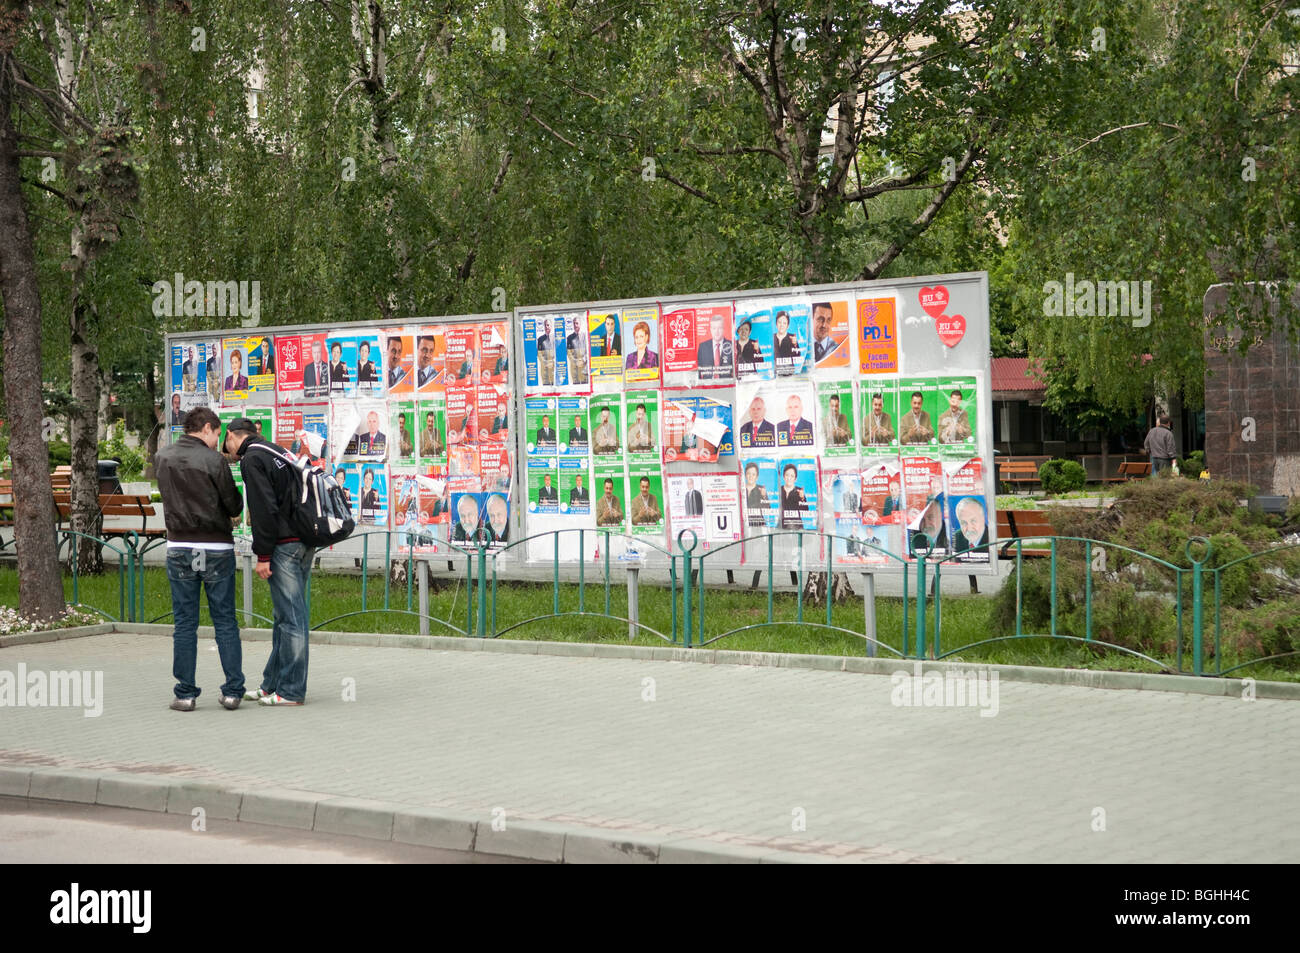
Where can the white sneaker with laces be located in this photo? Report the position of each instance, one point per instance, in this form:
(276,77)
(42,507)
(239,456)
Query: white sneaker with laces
(275,699)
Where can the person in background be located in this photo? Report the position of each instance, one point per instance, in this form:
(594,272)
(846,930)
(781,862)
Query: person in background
(1159,445)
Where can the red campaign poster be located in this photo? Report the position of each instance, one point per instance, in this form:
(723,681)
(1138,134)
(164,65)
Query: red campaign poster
(462,356)
(435,497)
(924,500)
(462,415)
(493,354)
(493,412)
(494,466)
(463,460)
(679,332)
(882,497)
(301,367)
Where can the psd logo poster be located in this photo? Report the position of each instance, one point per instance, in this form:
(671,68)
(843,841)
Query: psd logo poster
(367,485)
(240,381)
(430,358)
(539,427)
(575,439)
(641,365)
(609,489)
(605,332)
(606,422)
(543,490)
(494,354)
(830,334)
(399,359)
(402,418)
(707,504)
(697,429)
(462,415)
(754,339)
(575,494)
(917,412)
(494,468)
(877,331)
(431,437)
(715,351)
(790,344)
(462,367)
(957,417)
(645,486)
(878,405)
(758,493)
(796,493)
(305,430)
(968,511)
(835,415)
(679,328)
(302,372)
(641,413)
(924,496)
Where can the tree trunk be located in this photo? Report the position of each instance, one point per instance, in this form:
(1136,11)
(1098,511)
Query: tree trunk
(151,444)
(84,431)
(40,583)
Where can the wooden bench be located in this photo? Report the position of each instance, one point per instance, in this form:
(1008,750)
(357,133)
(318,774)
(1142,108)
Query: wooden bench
(116,504)
(1023,524)
(1132,469)
(1017,471)
(6,502)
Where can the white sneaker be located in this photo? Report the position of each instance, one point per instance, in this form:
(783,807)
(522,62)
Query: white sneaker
(275,699)
(254,696)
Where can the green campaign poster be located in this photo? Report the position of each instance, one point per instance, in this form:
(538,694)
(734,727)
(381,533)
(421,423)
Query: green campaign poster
(958,420)
(606,425)
(918,412)
(431,431)
(262,417)
(878,412)
(540,435)
(609,492)
(646,498)
(835,418)
(403,417)
(543,486)
(641,422)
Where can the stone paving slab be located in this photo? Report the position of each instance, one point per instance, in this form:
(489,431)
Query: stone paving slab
(755,763)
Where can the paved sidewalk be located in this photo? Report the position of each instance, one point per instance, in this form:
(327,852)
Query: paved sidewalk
(725,756)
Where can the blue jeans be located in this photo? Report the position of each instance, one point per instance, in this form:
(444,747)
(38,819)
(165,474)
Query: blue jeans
(286,669)
(215,572)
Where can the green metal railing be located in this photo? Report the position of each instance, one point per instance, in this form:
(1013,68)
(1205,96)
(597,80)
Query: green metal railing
(1192,593)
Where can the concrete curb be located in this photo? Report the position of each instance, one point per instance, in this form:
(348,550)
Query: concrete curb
(1076,677)
(384,821)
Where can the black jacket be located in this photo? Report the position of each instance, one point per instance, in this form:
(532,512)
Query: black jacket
(271,482)
(198,493)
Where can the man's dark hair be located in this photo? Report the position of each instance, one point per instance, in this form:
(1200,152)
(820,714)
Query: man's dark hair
(336,344)
(956,392)
(822,304)
(609,483)
(917,393)
(641,407)
(751,466)
(1164,421)
(198,418)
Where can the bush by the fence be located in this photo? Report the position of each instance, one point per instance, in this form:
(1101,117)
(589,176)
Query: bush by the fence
(1062,476)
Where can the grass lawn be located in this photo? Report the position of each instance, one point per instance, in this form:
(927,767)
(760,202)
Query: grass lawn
(966,619)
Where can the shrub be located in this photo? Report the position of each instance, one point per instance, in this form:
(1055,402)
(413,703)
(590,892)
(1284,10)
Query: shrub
(60,453)
(1062,476)
(130,461)
(1194,465)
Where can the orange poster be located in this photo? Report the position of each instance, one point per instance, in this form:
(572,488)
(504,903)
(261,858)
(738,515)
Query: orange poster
(877,336)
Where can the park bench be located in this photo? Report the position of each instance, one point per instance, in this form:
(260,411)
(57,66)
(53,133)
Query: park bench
(1131,469)
(1017,471)
(1023,524)
(6,502)
(116,504)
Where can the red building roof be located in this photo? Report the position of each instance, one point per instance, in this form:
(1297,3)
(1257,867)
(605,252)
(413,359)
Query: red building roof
(1013,379)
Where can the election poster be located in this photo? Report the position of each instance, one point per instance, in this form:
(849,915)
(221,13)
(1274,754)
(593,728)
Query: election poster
(877,335)
(575,439)
(301,373)
(304,429)
(402,421)
(796,493)
(753,339)
(831,337)
(958,420)
(370,365)
(641,413)
(467,512)
(696,428)
(708,505)
(539,427)
(924,500)
(968,511)
(493,399)
(543,490)
(431,438)
(435,497)
(406,508)
(365,440)
(779,415)
(494,353)
(494,467)
(835,416)
(463,461)
(605,333)
(399,361)
(577,349)
(645,506)
(210,354)
(495,520)
(263,419)
(641,365)
(842,495)
(461,368)
(575,494)
(430,360)
(367,485)
(882,501)
(679,330)
(609,484)
(757,433)
(758,494)
(248,376)
(698,345)
(790,345)
(878,405)
(544,361)
(342,349)
(917,411)
(462,415)
(606,421)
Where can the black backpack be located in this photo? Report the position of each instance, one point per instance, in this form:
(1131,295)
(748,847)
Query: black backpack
(320,514)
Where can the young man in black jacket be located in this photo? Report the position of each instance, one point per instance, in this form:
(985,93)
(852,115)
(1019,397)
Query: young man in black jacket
(272,482)
(199,501)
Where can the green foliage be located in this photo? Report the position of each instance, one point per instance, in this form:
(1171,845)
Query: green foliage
(130,461)
(60,453)
(1194,465)
(1062,476)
